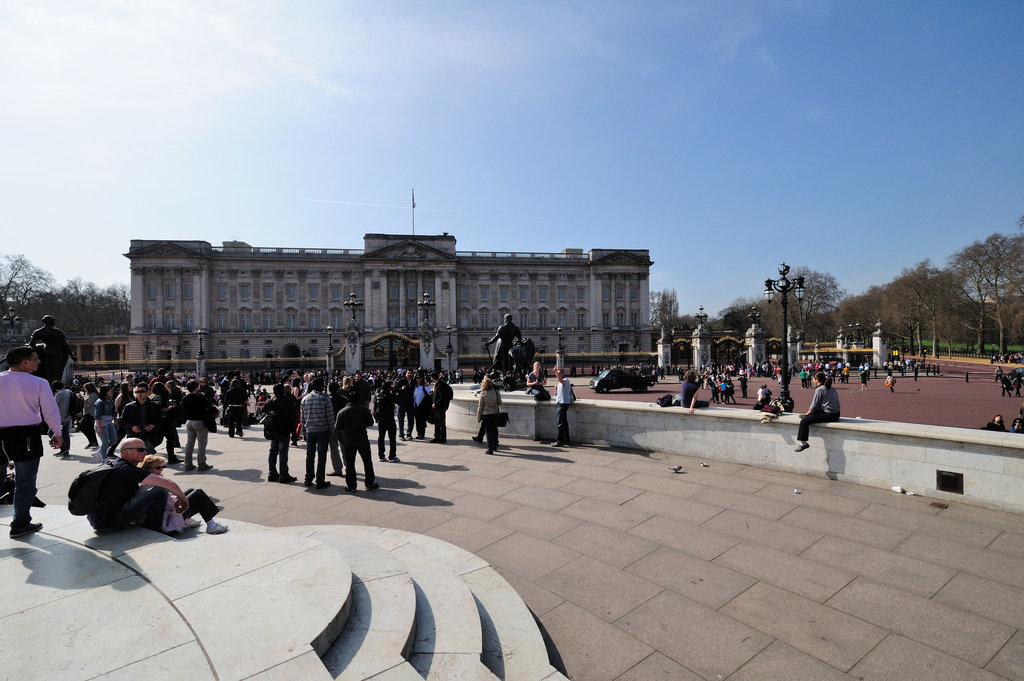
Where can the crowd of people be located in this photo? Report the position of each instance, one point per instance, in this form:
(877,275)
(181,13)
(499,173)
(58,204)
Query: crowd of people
(127,419)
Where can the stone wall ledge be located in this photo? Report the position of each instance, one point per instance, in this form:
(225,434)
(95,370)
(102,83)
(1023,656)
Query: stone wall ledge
(869,452)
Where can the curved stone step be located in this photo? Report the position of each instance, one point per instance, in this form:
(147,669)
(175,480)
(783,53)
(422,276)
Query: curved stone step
(449,642)
(378,635)
(213,598)
(514,649)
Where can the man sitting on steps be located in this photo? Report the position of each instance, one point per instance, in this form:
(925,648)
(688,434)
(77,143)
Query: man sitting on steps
(121,503)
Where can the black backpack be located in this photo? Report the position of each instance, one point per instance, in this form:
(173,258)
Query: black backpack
(75,404)
(665,400)
(271,425)
(84,493)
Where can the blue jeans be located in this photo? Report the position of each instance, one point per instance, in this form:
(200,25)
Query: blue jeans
(279,455)
(316,446)
(24,491)
(404,417)
(146,509)
(563,424)
(108,436)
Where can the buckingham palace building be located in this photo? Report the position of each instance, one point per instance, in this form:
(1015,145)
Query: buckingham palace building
(400,300)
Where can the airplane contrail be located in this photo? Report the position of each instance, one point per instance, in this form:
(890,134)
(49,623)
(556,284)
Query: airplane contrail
(976,169)
(432,210)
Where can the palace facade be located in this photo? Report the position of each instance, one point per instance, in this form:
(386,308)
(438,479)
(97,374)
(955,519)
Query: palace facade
(253,302)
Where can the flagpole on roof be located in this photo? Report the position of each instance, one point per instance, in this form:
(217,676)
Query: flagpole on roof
(414,212)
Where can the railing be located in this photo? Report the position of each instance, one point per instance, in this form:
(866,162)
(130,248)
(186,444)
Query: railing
(255,250)
(517,254)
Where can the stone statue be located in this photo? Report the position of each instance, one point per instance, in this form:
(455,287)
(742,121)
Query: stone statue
(506,335)
(51,345)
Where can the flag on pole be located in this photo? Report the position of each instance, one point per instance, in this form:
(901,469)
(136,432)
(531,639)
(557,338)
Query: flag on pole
(413,198)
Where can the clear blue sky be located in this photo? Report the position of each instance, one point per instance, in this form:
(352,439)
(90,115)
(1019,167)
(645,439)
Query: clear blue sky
(853,137)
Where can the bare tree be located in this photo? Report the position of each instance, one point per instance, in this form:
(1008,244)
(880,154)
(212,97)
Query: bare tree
(989,275)
(664,309)
(924,293)
(822,294)
(21,283)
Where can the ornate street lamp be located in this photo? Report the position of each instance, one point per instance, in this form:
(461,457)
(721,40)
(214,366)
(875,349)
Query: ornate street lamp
(330,350)
(11,323)
(354,305)
(754,316)
(426,305)
(701,316)
(784,285)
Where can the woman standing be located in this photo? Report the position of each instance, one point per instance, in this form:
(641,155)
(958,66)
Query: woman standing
(103,416)
(85,426)
(824,408)
(487,412)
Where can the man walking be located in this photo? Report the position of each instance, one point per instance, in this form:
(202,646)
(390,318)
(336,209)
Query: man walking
(25,400)
(352,423)
(62,396)
(563,398)
(318,428)
(442,397)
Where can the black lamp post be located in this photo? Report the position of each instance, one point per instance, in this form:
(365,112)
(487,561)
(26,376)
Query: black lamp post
(201,355)
(330,349)
(784,285)
(754,316)
(701,316)
(561,346)
(354,305)
(426,305)
(11,323)
(449,350)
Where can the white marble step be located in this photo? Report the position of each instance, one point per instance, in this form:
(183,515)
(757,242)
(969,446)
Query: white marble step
(378,635)
(211,600)
(513,648)
(449,640)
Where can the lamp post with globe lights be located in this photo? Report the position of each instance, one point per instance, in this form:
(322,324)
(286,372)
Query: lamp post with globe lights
(784,285)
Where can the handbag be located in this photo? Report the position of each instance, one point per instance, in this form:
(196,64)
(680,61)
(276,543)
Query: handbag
(502,419)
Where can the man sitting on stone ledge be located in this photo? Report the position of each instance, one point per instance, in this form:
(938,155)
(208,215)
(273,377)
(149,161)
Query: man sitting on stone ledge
(121,502)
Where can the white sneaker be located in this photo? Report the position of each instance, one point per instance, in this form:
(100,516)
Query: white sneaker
(213,527)
(191,523)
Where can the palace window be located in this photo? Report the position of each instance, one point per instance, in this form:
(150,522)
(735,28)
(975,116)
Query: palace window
(243,291)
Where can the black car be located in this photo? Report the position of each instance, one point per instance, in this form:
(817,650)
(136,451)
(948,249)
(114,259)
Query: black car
(612,379)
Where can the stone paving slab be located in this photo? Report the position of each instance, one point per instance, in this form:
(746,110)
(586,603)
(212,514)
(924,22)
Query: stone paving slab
(664,533)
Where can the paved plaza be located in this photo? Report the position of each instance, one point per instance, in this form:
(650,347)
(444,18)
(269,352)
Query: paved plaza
(944,400)
(721,571)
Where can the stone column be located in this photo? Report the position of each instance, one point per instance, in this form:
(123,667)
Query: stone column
(427,347)
(842,346)
(353,350)
(701,347)
(880,351)
(756,350)
(665,349)
(795,343)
